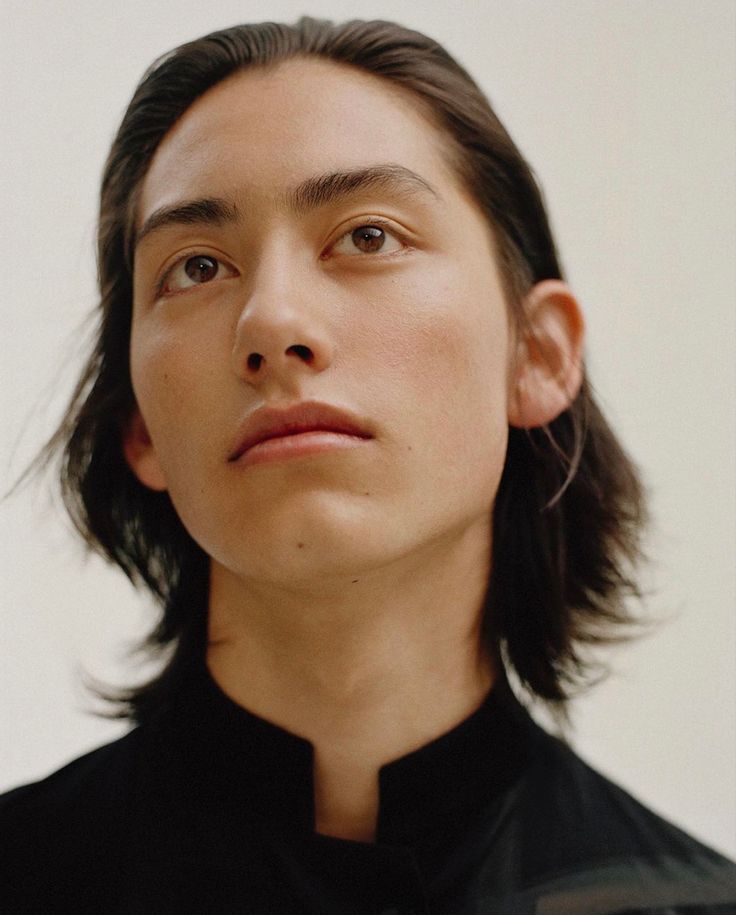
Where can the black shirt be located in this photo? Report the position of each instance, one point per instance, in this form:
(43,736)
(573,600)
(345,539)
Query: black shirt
(209,809)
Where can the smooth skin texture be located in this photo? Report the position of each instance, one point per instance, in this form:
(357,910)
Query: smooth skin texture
(347,586)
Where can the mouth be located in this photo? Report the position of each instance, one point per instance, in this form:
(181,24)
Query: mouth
(308,427)
(298,444)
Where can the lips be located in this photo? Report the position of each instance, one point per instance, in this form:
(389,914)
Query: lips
(271,422)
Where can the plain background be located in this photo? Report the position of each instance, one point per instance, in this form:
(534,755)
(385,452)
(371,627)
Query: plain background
(625,108)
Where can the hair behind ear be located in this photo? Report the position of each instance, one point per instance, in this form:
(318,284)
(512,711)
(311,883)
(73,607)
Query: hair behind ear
(568,523)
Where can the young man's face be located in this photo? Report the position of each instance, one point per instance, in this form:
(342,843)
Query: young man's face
(279,300)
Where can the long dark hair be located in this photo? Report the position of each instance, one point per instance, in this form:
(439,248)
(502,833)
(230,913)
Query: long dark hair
(570,508)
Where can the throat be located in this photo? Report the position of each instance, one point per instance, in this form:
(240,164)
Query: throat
(346,800)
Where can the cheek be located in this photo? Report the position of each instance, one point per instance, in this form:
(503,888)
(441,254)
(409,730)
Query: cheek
(172,380)
(447,347)
(459,425)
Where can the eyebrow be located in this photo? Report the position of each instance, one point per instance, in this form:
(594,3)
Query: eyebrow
(334,186)
(309,194)
(205,211)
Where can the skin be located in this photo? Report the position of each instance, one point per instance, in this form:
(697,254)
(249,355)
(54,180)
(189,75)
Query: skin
(346,587)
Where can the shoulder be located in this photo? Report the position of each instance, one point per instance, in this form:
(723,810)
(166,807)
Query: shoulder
(588,836)
(99,773)
(75,816)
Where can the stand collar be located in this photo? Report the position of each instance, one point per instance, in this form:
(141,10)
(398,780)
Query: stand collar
(222,757)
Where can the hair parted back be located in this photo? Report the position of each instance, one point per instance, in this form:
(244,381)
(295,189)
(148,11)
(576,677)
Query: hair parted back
(570,509)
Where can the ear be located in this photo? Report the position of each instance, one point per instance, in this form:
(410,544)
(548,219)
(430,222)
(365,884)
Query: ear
(549,365)
(140,453)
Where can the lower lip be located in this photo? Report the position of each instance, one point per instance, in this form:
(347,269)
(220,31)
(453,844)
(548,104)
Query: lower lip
(302,444)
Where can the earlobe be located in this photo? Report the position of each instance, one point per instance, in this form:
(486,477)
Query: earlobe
(140,454)
(549,366)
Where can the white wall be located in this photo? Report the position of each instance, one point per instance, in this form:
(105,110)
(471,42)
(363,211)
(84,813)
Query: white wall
(625,109)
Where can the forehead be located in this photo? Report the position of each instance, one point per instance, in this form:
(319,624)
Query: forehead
(262,131)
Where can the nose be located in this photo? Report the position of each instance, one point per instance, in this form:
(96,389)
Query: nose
(281,333)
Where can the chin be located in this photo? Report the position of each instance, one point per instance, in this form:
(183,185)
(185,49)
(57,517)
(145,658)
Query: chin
(306,556)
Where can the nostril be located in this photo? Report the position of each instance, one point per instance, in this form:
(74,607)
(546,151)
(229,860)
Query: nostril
(304,352)
(255,360)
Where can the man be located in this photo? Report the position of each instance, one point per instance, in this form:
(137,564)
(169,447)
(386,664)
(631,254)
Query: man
(338,422)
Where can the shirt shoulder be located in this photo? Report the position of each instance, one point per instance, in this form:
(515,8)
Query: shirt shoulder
(75,817)
(588,838)
(104,770)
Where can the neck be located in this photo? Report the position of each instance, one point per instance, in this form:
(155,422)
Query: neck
(368,670)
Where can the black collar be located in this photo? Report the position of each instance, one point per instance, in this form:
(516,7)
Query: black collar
(221,760)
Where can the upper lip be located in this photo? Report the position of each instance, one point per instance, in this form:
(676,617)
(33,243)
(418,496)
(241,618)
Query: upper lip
(308,416)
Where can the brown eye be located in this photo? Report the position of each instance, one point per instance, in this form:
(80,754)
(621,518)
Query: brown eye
(368,238)
(201,269)
(190,272)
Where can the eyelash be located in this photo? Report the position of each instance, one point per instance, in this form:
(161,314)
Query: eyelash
(378,223)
